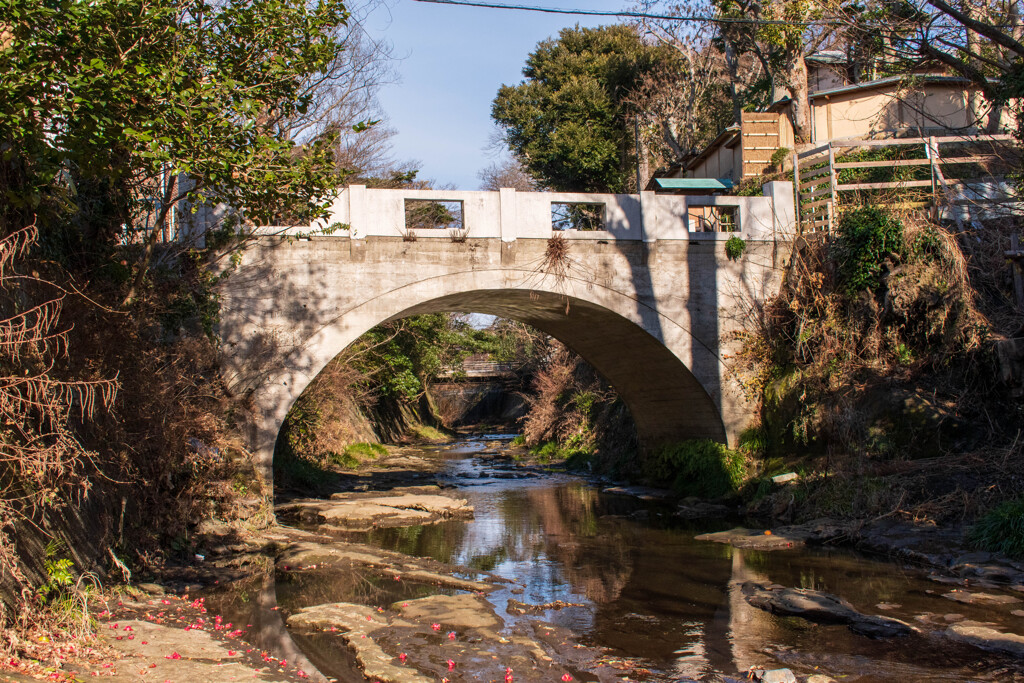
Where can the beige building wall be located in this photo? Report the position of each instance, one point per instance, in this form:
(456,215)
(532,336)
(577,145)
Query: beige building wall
(872,112)
(824,78)
(881,111)
(722,162)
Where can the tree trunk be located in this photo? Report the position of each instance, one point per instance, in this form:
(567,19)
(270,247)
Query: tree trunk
(732,63)
(796,81)
(973,94)
(994,124)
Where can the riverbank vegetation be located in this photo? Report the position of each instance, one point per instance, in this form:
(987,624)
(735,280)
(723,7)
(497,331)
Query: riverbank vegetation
(121,122)
(877,377)
(876,371)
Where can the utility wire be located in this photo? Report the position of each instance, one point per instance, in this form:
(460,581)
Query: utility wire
(631,15)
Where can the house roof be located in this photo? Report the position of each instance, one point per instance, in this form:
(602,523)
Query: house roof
(886,82)
(725,136)
(827,57)
(693,184)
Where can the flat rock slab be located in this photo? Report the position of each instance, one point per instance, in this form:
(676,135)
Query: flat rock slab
(436,504)
(362,513)
(755,539)
(451,611)
(821,608)
(164,653)
(357,624)
(970,598)
(986,638)
(516,607)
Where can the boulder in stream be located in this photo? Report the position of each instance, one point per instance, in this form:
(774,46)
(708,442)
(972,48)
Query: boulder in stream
(822,608)
(987,638)
(774,676)
(971,598)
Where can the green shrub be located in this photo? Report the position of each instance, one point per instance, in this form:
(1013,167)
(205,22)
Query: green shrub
(519,440)
(778,156)
(1001,529)
(734,247)
(753,440)
(365,450)
(700,467)
(345,460)
(574,450)
(59,572)
(868,235)
(546,452)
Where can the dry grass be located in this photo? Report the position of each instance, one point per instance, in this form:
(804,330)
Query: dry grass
(830,364)
(131,473)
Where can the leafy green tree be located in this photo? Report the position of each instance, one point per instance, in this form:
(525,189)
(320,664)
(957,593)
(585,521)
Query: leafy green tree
(400,357)
(779,47)
(106,105)
(569,123)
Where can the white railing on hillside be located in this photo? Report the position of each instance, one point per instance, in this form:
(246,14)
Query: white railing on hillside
(820,200)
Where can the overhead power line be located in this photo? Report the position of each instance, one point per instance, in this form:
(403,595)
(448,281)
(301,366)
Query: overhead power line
(630,15)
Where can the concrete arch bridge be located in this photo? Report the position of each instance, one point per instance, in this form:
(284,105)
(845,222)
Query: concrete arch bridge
(649,297)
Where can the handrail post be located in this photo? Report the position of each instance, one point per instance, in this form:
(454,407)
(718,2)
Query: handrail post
(796,192)
(932,150)
(833,183)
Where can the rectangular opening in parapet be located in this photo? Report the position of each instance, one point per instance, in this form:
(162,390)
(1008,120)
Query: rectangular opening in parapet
(577,216)
(434,214)
(712,218)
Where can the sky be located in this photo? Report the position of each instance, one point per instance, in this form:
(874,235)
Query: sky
(452,60)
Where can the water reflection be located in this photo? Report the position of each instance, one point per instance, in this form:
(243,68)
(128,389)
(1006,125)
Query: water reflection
(643,591)
(648,592)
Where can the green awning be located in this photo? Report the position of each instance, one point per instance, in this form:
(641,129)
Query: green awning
(703,184)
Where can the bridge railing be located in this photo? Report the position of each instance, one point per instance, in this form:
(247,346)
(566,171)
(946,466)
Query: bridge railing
(359,212)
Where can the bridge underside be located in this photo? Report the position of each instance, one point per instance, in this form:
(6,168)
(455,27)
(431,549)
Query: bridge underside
(666,400)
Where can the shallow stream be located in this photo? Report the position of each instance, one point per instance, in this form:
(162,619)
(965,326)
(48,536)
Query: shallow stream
(628,580)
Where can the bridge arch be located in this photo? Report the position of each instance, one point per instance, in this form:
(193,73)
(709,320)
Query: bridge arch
(649,357)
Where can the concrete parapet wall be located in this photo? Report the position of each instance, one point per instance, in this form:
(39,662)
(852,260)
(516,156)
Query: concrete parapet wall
(509,215)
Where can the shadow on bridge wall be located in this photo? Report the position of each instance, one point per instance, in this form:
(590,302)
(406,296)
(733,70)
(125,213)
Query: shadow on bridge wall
(699,301)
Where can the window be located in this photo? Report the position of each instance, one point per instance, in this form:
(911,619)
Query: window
(577,216)
(430,214)
(713,218)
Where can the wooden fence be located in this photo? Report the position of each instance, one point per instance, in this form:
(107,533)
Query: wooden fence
(815,175)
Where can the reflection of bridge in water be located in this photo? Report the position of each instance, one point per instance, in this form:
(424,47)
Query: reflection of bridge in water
(651,300)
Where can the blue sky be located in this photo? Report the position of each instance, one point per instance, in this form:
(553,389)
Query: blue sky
(452,62)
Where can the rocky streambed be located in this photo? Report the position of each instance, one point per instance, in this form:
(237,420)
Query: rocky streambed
(462,563)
